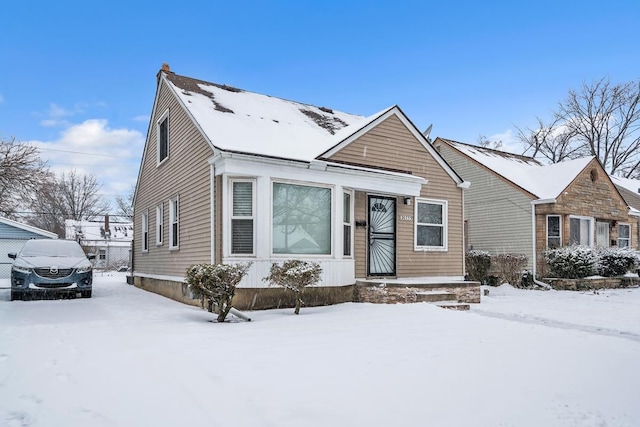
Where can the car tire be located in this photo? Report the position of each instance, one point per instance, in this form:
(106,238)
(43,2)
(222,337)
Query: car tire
(16,296)
(85,294)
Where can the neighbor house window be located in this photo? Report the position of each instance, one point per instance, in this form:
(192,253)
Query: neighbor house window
(346,224)
(242,217)
(159,220)
(102,255)
(174,217)
(163,136)
(431,224)
(554,236)
(301,219)
(145,231)
(581,230)
(624,235)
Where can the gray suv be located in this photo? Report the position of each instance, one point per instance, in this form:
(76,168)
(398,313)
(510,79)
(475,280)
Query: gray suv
(51,266)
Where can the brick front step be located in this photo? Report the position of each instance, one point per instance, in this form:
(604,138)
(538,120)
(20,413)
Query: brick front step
(435,296)
(458,306)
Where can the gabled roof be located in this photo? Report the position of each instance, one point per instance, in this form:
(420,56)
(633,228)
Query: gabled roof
(94,230)
(242,121)
(540,180)
(26,227)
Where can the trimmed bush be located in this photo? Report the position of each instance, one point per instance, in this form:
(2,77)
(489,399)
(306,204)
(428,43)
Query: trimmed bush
(295,275)
(571,262)
(509,268)
(216,284)
(477,264)
(616,261)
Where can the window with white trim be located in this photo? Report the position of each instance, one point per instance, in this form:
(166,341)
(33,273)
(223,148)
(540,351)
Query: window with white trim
(242,216)
(174,217)
(159,223)
(347,226)
(162,131)
(624,235)
(145,231)
(301,219)
(102,255)
(581,230)
(554,232)
(431,224)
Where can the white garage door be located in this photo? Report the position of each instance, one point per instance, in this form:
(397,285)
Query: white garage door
(7,246)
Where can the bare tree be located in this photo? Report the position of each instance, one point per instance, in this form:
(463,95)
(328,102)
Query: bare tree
(125,206)
(69,196)
(552,141)
(605,118)
(485,142)
(21,172)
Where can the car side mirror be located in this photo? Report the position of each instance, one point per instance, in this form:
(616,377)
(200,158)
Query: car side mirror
(91,256)
(12,255)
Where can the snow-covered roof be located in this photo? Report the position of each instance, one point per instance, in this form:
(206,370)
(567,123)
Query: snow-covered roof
(632,185)
(543,181)
(262,124)
(29,228)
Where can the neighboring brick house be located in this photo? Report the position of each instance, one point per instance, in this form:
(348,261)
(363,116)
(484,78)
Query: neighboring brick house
(518,205)
(231,176)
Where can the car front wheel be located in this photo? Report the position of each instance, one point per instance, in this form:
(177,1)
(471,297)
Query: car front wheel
(16,295)
(86,294)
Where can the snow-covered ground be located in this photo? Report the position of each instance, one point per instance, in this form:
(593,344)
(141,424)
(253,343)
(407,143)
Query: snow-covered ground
(127,357)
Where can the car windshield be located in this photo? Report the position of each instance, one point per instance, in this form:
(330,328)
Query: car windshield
(56,248)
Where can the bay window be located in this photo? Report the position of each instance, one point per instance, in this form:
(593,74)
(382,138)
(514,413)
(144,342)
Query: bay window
(554,236)
(624,235)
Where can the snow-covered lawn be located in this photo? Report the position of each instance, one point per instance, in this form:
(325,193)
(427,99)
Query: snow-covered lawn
(131,358)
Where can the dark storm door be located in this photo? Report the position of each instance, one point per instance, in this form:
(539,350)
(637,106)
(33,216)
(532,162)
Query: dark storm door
(382,236)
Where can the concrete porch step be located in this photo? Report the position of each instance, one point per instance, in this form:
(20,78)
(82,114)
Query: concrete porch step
(458,306)
(435,296)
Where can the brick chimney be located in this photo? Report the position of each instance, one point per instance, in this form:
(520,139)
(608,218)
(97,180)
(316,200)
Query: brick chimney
(106,225)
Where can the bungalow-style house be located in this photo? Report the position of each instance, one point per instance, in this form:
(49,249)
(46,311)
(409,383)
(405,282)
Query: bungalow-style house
(231,176)
(519,205)
(109,241)
(13,235)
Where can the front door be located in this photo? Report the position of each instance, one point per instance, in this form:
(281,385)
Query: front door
(382,236)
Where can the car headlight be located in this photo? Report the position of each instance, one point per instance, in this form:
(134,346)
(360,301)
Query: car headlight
(21,269)
(84,269)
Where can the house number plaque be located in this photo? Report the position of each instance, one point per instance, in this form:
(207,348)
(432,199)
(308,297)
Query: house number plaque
(406,218)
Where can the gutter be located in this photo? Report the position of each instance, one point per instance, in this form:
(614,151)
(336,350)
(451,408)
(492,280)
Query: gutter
(533,232)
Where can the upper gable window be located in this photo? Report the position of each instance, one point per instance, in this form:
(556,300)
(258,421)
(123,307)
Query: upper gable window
(163,137)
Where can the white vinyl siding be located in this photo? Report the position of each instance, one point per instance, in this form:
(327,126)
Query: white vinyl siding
(174,218)
(554,231)
(242,217)
(430,224)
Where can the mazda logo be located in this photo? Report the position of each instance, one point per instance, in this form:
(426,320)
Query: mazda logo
(53,270)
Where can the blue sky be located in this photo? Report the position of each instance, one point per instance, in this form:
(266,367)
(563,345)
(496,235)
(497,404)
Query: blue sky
(78,78)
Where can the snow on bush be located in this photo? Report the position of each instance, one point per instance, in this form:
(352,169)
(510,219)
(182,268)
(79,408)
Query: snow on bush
(616,261)
(571,262)
(216,283)
(509,268)
(295,275)
(478,264)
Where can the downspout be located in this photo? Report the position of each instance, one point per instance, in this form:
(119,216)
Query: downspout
(535,249)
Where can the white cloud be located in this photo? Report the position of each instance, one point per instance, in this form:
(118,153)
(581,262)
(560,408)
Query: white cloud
(92,147)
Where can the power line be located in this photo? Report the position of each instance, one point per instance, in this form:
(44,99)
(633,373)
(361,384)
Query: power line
(83,153)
